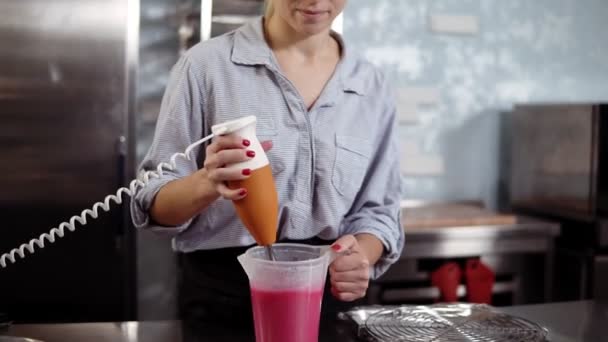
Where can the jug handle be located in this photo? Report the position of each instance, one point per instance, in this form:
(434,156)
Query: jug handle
(332,254)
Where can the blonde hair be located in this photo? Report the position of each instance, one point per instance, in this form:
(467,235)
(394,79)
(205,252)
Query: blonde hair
(268,8)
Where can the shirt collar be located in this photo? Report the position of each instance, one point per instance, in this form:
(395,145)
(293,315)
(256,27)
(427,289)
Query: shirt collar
(250,48)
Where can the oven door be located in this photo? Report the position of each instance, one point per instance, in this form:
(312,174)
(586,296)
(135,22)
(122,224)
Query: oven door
(553,160)
(600,270)
(600,262)
(602,187)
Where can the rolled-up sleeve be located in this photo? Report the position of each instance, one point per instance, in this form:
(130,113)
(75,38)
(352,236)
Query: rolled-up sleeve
(377,207)
(179,124)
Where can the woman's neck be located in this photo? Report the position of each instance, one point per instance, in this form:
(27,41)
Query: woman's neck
(282,38)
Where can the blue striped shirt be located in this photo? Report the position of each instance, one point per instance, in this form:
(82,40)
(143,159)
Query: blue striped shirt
(336,166)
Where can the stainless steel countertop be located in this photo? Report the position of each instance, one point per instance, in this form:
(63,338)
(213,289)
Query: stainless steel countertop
(160,331)
(584,321)
(524,224)
(528,235)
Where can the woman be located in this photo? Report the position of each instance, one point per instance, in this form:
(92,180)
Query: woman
(329,116)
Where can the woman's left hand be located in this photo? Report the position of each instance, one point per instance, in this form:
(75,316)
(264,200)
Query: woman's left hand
(349,273)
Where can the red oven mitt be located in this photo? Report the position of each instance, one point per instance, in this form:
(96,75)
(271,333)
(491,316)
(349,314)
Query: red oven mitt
(447,278)
(479,281)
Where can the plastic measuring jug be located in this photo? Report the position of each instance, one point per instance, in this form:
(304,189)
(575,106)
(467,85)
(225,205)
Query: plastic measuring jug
(286,292)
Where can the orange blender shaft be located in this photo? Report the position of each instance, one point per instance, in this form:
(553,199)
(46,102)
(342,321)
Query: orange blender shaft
(259,209)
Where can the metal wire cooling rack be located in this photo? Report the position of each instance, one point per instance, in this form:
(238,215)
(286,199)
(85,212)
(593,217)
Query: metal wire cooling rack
(449,322)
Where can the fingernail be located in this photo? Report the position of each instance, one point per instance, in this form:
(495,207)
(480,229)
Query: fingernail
(336,247)
(243,192)
(251,154)
(246,172)
(246,142)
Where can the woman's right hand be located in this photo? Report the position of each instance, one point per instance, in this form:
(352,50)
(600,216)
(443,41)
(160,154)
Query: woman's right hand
(227,150)
(181,199)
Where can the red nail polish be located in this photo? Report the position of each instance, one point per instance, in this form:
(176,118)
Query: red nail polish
(246,142)
(243,192)
(246,172)
(250,154)
(336,247)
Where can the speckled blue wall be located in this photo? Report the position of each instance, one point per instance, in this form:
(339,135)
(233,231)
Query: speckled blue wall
(524,51)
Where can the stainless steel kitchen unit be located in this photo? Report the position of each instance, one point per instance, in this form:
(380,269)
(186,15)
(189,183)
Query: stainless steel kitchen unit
(511,250)
(67,72)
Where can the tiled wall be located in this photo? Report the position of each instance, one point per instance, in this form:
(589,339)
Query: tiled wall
(451,85)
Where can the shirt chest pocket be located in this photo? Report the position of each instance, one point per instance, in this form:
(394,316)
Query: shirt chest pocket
(274,154)
(351,163)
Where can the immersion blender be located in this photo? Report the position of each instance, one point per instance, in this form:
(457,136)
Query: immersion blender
(259,210)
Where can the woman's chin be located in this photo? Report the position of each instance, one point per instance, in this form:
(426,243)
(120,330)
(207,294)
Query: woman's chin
(309,28)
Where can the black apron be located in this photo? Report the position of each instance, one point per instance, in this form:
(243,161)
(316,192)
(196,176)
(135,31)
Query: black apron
(214,289)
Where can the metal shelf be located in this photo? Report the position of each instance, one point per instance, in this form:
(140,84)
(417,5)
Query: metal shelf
(401,295)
